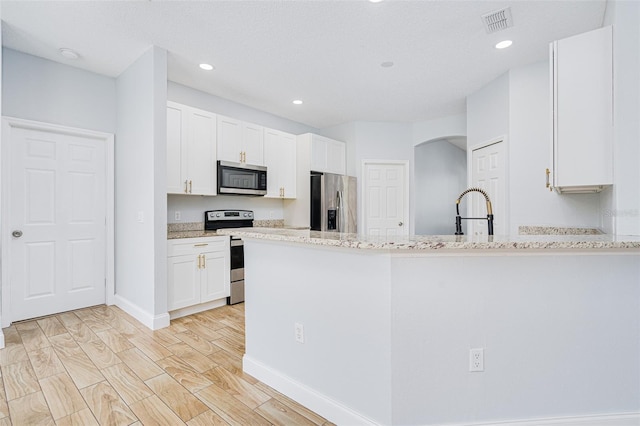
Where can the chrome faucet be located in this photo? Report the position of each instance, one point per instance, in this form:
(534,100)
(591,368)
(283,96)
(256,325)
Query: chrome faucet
(489,211)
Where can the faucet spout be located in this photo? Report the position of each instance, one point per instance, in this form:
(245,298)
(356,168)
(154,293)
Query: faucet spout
(489,211)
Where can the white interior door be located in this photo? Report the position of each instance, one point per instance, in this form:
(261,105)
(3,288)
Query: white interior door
(489,173)
(385,199)
(57,221)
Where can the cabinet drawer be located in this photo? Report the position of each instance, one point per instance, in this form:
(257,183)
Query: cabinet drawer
(185,246)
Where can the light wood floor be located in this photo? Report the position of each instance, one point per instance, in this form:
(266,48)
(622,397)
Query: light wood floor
(100,366)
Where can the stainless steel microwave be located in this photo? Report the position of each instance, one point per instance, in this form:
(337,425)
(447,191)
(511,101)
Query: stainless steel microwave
(241,179)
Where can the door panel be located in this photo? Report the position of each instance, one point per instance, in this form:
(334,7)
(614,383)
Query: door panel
(183,282)
(488,173)
(385,200)
(58,201)
(214,277)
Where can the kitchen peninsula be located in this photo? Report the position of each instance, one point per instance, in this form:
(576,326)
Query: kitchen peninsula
(369,330)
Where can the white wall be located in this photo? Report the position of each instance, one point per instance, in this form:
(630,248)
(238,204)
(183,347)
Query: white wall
(488,113)
(42,90)
(453,125)
(192,208)
(140,160)
(517,105)
(186,95)
(559,332)
(625,210)
(529,145)
(440,176)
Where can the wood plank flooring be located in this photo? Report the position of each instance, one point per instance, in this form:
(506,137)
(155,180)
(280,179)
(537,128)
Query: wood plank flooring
(100,366)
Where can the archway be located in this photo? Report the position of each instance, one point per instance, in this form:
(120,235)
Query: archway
(440,176)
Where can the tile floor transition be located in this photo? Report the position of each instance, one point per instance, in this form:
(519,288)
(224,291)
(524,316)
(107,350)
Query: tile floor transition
(99,365)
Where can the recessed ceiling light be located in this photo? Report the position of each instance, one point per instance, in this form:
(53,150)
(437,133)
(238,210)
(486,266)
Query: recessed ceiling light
(68,53)
(375,1)
(206,67)
(387,64)
(504,44)
(297,102)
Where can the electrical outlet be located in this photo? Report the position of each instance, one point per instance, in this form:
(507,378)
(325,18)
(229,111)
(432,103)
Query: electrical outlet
(140,217)
(476,359)
(177,215)
(299,332)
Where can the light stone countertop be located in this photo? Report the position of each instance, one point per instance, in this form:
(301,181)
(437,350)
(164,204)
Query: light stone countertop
(439,242)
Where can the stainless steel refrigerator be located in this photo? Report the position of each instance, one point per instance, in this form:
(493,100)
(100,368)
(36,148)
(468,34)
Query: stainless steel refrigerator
(333,202)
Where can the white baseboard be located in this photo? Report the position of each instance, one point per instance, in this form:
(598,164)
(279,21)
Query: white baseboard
(178,313)
(326,407)
(154,322)
(621,419)
(341,415)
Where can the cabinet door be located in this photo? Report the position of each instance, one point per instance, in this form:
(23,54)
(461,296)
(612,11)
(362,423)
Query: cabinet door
(176,149)
(583,110)
(183,282)
(272,161)
(215,276)
(288,165)
(253,144)
(336,156)
(201,166)
(229,139)
(319,154)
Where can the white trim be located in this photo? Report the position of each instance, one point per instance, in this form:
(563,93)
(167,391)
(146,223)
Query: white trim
(7,124)
(361,197)
(110,218)
(154,322)
(310,398)
(620,419)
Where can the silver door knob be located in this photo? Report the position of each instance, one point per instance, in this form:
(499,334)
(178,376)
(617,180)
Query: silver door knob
(400,224)
(17,234)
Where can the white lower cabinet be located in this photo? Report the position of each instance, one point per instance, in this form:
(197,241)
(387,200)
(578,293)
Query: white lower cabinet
(198,271)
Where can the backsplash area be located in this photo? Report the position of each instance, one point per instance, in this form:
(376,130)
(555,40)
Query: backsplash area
(556,230)
(191,208)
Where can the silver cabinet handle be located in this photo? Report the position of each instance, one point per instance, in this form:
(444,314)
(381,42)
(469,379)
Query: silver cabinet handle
(17,234)
(400,223)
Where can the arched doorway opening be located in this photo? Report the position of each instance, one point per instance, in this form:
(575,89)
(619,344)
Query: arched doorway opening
(440,176)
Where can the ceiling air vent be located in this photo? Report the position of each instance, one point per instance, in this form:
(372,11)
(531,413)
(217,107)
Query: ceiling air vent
(497,20)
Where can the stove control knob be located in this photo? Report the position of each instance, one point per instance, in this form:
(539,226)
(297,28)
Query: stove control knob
(217,214)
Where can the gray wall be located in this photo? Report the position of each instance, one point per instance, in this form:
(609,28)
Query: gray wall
(440,176)
(623,208)
(42,90)
(195,98)
(516,105)
(140,158)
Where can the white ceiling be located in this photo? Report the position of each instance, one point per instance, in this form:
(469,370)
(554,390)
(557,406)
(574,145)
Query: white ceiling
(327,53)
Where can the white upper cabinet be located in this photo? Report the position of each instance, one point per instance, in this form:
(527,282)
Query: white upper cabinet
(229,139)
(582,109)
(191,150)
(253,143)
(240,142)
(280,159)
(327,155)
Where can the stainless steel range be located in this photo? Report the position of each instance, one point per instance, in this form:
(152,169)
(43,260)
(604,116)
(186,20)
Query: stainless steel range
(218,219)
